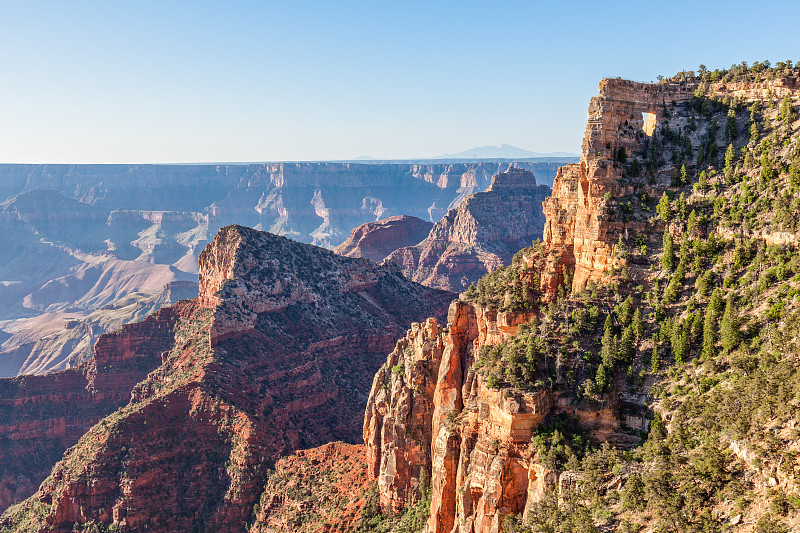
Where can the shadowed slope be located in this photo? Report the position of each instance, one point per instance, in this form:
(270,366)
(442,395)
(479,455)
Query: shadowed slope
(278,354)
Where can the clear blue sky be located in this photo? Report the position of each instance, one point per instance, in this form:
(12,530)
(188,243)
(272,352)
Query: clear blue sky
(175,81)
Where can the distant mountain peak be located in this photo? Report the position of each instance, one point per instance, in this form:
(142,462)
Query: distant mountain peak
(501,151)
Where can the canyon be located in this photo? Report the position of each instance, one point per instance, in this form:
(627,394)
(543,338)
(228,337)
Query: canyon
(428,409)
(478,236)
(440,416)
(79,238)
(275,354)
(224,408)
(431,414)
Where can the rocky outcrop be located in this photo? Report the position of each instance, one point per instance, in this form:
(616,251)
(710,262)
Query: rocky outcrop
(431,418)
(399,414)
(480,235)
(376,240)
(42,416)
(276,356)
(315,491)
(78,238)
(580,230)
(430,413)
(478,446)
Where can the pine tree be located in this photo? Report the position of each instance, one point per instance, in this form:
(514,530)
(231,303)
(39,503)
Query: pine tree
(703,282)
(626,349)
(531,355)
(730,159)
(608,345)
(637,325)
(625,309)
(730,126)
(753,132)
(664,208)
(683,253)
(676,284)
(679,341)
(729,327)
(603,377)
(608,325)
(680,206)
(710,332)
(787,112)
(754,110)
(697,327)
(668,258)
(655,358)
(684,175)
(472,293)
(702,181)
(691,224)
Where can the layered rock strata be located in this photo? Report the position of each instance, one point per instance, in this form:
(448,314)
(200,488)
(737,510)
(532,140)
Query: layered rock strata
(376,240)
(480,235)
(431,417)
(579,231)
(476,440)
(42,416)
(275,357)
(78,238)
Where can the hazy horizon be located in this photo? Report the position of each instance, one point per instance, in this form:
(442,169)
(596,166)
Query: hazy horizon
(181,82)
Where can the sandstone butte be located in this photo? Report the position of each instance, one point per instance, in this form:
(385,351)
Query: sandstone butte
(481,234)
(437,417)
(376,240)
(274,355)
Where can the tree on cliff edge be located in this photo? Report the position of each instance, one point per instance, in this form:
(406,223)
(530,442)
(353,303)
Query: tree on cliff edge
(668,258)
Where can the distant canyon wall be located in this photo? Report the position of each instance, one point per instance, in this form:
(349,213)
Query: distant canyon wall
(311,202)
(78,238)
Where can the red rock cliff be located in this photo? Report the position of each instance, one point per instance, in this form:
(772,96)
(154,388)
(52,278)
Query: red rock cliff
(42,416)
(429,411)
(480,235)
(475,440)
(276,357)
(577,228)
(376,240)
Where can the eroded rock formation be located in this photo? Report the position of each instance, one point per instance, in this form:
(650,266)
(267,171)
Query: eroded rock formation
(480,235)
(430,414)
(77,238)
(275,355)
(42,416)
(476,440)
(577,228)
(376,240)
(580,231)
